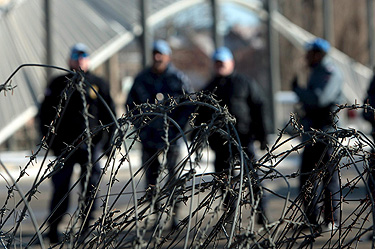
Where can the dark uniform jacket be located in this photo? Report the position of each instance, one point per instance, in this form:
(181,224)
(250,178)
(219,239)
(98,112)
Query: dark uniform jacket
(370,99)
(149,87)
(245,101)
(319,98)
(72,122)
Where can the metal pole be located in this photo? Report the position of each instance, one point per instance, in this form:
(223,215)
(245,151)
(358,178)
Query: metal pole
(217,37)
(274,66)
(48,41)
(371,39)
(328,33)
(145,36)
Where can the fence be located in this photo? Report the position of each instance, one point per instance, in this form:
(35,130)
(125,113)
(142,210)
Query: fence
(205,219)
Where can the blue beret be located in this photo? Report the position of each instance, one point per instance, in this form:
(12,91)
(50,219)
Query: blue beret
(162,47)
(222,54)
(318,44)
(79,50)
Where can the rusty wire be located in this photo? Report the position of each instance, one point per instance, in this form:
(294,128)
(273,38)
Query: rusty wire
(131,216)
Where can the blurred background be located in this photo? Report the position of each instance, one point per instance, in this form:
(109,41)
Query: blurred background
(266,37)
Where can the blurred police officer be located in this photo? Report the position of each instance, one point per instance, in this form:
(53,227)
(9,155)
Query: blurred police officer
(69,127)
(319,99)
(157,83)
(245,100)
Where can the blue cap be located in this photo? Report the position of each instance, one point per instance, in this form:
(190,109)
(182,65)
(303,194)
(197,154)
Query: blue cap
(79,50)
(162,47)
(222,54)
(318,44)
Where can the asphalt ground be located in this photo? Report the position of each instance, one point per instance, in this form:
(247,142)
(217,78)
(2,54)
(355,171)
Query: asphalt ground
(39,206)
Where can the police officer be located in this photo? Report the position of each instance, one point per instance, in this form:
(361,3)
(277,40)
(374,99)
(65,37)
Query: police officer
(68,130)
(319,98)
(157,83)
(245,101)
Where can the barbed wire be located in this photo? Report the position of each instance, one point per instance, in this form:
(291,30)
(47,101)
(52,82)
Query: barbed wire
(131,216)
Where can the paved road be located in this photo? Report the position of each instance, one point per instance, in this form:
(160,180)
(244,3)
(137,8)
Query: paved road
(14,161)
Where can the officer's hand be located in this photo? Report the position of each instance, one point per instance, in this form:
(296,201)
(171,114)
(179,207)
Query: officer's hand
(263,145)
(295,82)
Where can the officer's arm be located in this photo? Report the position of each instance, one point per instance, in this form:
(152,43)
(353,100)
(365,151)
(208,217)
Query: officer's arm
(331,91)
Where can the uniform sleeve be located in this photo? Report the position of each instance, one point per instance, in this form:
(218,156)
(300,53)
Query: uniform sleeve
(201,111)
(104,115)
(182,113)
(257,103)
(47,109)
(186,83)
(331,91)
(105,93)
(306,96)
(137,95)
(325,88)
(370,99)
(133,96)
(241,103)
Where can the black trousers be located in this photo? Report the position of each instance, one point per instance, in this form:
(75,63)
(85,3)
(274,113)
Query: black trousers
(152,165)
(222,164)
(62,183)
(371,174)
(319,188)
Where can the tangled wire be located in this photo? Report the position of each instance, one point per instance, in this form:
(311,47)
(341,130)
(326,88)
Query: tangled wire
(204,220)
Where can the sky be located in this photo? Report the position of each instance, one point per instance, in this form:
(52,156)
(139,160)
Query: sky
(237,15)
(232,14)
